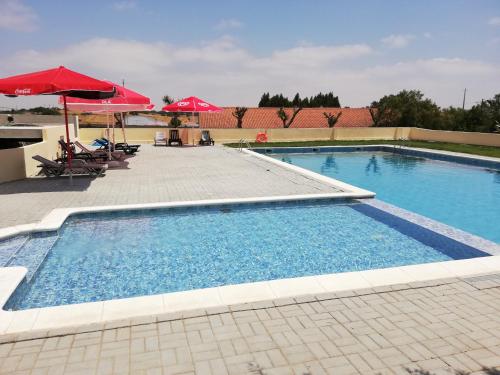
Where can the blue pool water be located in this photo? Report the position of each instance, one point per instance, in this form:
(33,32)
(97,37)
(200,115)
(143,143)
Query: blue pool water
(116,255)
(462,196)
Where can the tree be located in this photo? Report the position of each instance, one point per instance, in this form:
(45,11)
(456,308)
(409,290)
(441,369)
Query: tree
(320,100)
(287,121)
(406,109)
(331,118)
(264,100)
(485,116)
(167,99)
(239,113)
(175,122)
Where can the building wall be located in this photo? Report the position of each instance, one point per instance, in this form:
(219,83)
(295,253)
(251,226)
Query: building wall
(12,166)
(17,163)
(29,118)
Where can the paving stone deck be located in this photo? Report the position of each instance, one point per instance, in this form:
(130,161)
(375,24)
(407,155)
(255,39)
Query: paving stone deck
(156,174)
(443,327)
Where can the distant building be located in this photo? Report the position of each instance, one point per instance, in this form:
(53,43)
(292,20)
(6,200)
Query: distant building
(255,118)
(266,118)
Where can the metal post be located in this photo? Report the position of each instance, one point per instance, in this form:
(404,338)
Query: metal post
(70,155)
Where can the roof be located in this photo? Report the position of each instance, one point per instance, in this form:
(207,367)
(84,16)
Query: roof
(265,118)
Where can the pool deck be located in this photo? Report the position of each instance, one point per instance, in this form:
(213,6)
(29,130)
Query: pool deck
(432,324)
(157,174)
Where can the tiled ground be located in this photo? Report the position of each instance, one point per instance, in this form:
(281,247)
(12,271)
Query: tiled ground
(156,174)
(443,327)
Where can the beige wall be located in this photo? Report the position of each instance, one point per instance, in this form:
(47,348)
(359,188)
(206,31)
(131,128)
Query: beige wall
(17,163)
(472,138)
(12,164)
(358,134)
(29,118)
(146,135)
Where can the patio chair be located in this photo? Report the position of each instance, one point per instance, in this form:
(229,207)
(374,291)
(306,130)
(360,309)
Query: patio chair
(174,138)
(205,139)
(115,155)
(160,139)
(78,166)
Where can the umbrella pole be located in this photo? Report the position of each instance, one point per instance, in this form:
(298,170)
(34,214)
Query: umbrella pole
(113,126)
(70,154)
(123,127)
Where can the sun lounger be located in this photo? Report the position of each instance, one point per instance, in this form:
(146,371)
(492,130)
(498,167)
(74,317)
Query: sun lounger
(174,138)
(125,147)
(78,155)
(78,166)
(205,139)
(160,139)
(104,146)
(115,155)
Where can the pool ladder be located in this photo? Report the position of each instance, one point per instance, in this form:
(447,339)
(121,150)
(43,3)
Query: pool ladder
(402,143)
(243,142)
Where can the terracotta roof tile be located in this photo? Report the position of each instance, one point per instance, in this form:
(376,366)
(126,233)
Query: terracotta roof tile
(267,118)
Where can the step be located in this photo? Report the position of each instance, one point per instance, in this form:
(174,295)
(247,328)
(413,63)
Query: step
(9,248)
(33,253)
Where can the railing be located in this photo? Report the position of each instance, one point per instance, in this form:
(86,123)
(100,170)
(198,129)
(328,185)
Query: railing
(241,143)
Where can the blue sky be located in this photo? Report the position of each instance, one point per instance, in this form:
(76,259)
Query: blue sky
(229,52)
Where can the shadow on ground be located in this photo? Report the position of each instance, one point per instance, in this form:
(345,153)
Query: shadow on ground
(484,370)
(44,184)
(256,369)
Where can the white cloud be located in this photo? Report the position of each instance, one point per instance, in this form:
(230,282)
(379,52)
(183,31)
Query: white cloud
(397,41)
(224,73)
(427,35)
(14,15)
(494,21)
(226,24)
(124,5)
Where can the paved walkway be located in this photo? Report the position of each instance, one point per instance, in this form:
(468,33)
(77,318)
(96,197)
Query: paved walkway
(156,174)
(442,327)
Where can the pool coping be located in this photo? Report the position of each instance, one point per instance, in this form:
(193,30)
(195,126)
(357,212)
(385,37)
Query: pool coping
(32,323)
(457,157)
(46,321)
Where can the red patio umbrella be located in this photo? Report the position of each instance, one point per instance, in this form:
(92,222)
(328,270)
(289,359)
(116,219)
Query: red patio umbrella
(57,81)
(126,100)
(191,104)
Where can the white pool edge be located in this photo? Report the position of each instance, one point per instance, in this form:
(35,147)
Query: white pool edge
(56,218)
(347,188)
(48,319)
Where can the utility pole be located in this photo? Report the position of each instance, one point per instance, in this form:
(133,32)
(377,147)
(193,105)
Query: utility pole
(463,103)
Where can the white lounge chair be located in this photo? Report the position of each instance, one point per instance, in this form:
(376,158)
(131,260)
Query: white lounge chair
(160,138)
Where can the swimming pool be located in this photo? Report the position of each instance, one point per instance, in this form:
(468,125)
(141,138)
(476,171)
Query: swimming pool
(463,196)
(104,256)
